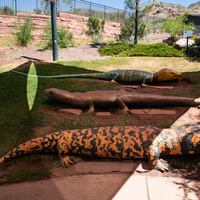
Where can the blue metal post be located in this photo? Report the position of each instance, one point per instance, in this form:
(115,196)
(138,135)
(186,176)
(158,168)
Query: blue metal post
(74,6)
(54,31)
(90,9)
(15,7)
(187,46)
(118,16)
(105,12)
(36,6)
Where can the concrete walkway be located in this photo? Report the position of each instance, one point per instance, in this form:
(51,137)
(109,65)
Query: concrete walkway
(116,186)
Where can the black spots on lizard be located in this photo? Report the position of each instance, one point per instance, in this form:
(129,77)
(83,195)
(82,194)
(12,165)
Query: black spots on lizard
(104,141)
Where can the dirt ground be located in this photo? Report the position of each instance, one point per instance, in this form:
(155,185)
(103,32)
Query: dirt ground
(33,53)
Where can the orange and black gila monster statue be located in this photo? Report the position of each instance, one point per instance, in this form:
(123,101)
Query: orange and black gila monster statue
(123,142)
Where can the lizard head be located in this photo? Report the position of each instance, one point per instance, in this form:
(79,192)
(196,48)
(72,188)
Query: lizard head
(52,93)
(168,75)
(58,95)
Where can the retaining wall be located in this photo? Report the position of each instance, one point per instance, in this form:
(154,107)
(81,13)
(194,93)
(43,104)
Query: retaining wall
(75,23)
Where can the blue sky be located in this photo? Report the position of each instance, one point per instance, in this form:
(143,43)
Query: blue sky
(120,3)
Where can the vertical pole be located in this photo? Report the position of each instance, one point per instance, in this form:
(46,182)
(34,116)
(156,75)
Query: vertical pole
(36,6)
(105,12)
(90,9)
(15,7)
(118,16)
(187,47)
(136,23)
(54,31)
(74,6)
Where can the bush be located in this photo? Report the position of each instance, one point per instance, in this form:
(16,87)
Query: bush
(127,50)
(64,37)
(6,11)
(178,25)
(95,26)
(23,33)
(96,38)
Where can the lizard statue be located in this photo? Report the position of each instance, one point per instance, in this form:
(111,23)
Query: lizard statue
(124,142)
(114,97)
(127,75)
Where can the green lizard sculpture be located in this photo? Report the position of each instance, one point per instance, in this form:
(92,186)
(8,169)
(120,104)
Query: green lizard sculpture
(124,142)
(125,76)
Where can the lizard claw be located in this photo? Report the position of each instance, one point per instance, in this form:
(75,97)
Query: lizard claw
(162,165)
(126,110)
(113,81)
(67,160)
(90,111)
(144,85)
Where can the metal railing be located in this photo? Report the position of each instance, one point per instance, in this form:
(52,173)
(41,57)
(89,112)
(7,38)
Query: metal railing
(77,7)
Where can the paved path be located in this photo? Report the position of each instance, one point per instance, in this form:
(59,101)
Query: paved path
(116,186)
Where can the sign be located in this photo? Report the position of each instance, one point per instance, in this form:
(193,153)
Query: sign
(187,33)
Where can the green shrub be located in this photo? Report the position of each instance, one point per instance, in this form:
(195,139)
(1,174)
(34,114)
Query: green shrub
(95,26)
(6,11)
(178,25)
(96,38)
(23,31)
(197,40)
(125,49)
(64,37)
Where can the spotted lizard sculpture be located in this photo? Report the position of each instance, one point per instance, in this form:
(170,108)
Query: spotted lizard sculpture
(127,75)
(114,97)
(124,142)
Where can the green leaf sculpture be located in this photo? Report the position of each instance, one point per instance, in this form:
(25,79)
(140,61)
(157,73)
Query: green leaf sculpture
(32,85)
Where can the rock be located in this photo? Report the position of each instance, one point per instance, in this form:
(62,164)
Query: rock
(197,35)
(182,43)
(169,40)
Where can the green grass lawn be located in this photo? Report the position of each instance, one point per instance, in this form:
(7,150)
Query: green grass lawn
(22,98)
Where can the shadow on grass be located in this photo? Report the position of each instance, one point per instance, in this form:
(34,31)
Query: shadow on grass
(193,59)
(19,124)
(193,77)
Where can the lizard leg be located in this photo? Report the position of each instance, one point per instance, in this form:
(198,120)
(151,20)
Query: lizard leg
(91,105)
(162,165)
(115,77)
(155,162)
(62,151)
(120,101)
(144,83)
(66,160)
(113,81)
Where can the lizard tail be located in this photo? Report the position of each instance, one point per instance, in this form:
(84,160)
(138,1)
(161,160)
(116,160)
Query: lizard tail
(90,75)
(46,143)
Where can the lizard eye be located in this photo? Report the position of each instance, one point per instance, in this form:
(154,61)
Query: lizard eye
(50,92)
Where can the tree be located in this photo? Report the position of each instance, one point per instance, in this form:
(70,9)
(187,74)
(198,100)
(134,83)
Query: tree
(128,28)
(46,4)
(137,6)
(176,26)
